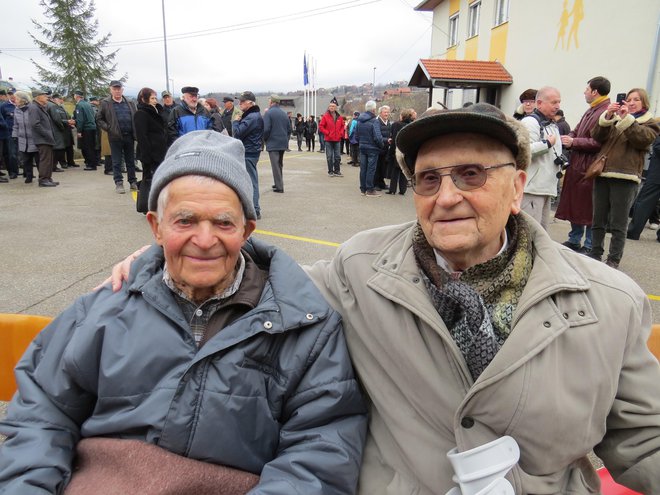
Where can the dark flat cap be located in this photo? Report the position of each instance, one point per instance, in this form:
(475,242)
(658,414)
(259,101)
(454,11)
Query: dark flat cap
(247,95)
(116,84)
(190,90)
(228,98)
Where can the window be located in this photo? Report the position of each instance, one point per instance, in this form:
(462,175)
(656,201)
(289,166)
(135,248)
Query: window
(453,30)
(501,12)
(473,19)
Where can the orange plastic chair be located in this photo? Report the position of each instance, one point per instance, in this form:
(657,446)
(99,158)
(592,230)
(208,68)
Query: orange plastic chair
(16,333)
(654,341)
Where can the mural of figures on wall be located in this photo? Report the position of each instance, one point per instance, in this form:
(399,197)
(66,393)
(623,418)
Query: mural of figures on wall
(574,17)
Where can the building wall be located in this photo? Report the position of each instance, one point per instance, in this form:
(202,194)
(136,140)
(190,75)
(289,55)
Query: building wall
(612,38)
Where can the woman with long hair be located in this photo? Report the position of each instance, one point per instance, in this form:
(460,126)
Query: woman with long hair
(151,132)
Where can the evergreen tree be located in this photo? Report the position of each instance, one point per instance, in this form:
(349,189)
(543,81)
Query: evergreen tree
(77,58)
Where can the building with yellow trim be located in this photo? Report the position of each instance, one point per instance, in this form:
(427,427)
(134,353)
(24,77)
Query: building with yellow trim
(561,43)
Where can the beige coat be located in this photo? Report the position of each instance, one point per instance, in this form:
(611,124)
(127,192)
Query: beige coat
(574,374)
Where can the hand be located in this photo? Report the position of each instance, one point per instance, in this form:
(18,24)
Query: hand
(552,139)
(567,141)
(623,110)
(611,110)
(121,270)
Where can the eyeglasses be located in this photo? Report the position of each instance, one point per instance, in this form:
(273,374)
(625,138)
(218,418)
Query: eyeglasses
(466,177)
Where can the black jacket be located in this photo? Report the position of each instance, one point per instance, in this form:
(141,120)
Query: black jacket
(151,134)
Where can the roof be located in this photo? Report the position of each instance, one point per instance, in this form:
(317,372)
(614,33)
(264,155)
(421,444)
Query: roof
(428,5)
(459,74)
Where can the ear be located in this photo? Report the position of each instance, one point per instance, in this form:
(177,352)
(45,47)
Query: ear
(250,225)
(152,218)
(519,181)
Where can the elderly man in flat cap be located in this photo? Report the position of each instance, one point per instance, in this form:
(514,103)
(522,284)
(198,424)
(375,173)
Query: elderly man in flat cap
(229,113)
(219,351)
(475,334)
(42,135)
(493,357)
(189,115)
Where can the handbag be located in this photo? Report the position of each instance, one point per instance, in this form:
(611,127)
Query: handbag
(142,203)
(596,167)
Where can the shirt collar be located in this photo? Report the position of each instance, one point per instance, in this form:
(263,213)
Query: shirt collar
(444,264)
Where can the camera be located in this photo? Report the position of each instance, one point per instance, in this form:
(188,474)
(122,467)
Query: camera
(562,162)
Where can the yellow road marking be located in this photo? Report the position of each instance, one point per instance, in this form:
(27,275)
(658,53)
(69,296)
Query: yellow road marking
(296,238)
(653,298)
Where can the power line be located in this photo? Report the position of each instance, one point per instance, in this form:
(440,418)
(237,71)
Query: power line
(237,27)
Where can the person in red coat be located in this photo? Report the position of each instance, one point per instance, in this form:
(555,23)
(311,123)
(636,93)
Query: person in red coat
(575,200)
(332,128)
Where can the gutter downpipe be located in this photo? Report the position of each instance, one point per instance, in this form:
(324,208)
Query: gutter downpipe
(654,61)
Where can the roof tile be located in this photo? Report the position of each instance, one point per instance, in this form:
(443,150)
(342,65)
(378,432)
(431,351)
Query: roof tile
(466,70)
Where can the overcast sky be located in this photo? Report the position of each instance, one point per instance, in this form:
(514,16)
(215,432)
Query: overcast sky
(238,45)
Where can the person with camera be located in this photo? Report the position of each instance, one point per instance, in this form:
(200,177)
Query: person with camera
(626,130)
(575,204)
(547,160)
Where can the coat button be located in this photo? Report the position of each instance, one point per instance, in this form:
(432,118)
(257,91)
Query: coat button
(467,422)
(546,324)
(268,325)
(309,316)
(581,313)
(565,315)
(199,312)
(415,280)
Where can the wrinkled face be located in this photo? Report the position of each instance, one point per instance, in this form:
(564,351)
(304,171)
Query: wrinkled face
(229,105)
(244,104)
(332,108)
(590,94)
(116,92)
(385,114)
(41,99)
(549,105)
(466,226)
(190,99)
(202,230)
(634,102)
(167,100)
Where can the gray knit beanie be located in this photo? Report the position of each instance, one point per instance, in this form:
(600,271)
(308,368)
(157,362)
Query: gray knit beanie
(207,153)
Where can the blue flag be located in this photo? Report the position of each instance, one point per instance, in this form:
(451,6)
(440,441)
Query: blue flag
(305,73)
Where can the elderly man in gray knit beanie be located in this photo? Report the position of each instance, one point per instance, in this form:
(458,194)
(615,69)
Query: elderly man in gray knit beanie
(217,369)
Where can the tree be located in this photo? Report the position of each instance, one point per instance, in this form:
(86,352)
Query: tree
(77,57)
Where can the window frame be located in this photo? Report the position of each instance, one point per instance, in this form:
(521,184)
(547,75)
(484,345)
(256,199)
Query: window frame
(501,12)
(453,31)
(474,15)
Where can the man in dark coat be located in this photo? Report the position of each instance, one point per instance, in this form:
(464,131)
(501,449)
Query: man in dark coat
(115,117)
(229,113)
(575,200)
(42,135)
(647,199)
(62,125)
(276,135)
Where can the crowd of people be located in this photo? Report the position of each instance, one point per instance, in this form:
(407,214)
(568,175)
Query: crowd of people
(618,136)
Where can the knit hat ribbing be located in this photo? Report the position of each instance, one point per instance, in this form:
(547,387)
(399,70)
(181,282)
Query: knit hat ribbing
(210,154)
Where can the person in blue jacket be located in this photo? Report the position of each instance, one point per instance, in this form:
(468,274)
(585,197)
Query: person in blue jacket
(249,128)
(218,357)
(189,115)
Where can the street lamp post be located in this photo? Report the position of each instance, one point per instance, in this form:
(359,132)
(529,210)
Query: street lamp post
(374,84)
(167,70)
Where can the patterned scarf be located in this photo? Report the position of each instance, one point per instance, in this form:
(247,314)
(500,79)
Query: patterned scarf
(477,307)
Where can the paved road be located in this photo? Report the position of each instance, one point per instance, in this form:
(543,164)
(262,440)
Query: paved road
(60,242)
